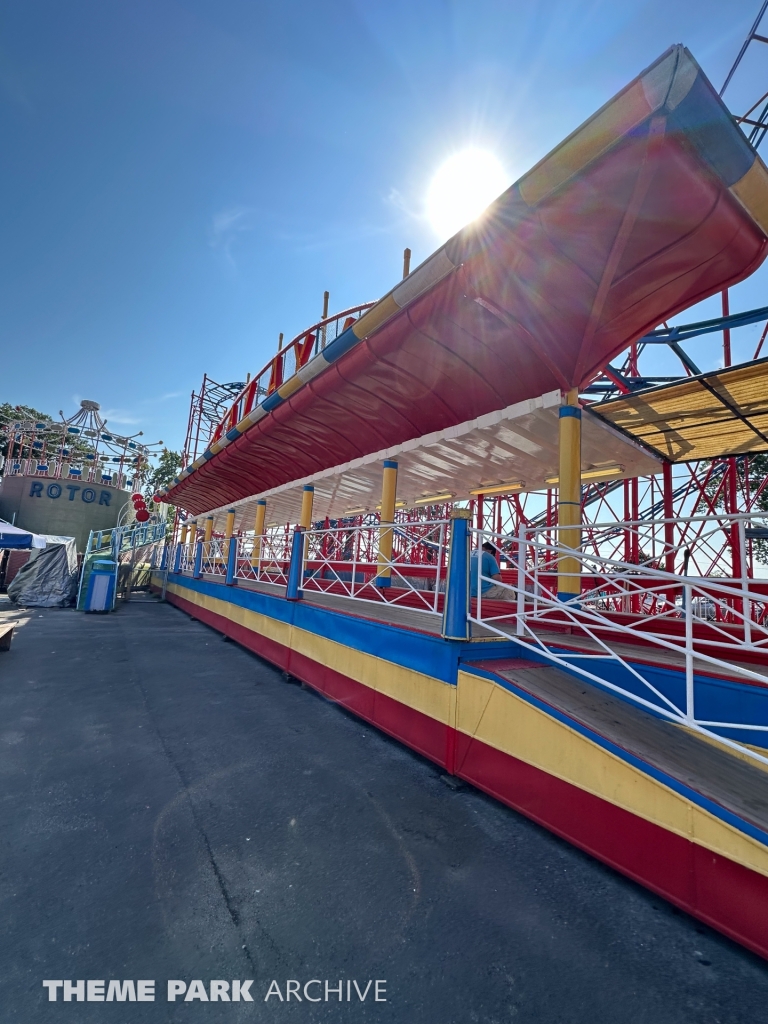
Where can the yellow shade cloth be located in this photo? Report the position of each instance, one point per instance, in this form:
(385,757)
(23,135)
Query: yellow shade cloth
(715,414)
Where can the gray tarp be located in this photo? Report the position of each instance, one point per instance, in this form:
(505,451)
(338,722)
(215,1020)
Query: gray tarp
(49,578)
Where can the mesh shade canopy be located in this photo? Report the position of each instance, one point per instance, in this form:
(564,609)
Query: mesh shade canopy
(706,417)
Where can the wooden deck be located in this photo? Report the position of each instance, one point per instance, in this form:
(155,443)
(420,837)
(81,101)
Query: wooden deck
(729,779)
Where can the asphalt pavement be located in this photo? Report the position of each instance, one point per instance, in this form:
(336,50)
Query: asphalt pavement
(174,810)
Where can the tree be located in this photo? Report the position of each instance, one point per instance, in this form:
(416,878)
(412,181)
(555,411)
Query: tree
(10,413)
(162,476)
(79,448)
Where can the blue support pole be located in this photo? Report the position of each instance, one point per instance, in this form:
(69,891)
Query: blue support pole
(293,590)
(231,562)
(197,572)
(177,557)
(164,558)
(456,608)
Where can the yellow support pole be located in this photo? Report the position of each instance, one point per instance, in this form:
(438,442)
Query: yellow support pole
(258,530)
(183,537)
(406,263)
(307,499)
(208,529)
(229,529)
(569,498)
(387,520)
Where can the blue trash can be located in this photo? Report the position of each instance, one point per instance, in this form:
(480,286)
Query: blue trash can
(101,586)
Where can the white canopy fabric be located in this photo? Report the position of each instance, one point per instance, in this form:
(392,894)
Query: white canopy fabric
(512,450)
(13,537)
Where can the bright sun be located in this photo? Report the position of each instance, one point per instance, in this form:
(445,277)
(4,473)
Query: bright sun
(462,188)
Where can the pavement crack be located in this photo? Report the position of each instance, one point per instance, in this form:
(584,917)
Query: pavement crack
(186,794)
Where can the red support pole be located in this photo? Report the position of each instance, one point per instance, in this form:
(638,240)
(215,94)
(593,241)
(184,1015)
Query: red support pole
(726,331)
(667,497)
(669,526)
(732,507)
(634,487)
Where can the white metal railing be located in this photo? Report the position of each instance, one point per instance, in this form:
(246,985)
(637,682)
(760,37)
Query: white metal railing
(347,561)
(732,604)
(124,538)
(692,545)
(186,558)
(214,557)
(265,558)
(668,612)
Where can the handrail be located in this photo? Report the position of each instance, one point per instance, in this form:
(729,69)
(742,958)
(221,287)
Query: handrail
(532,612)
(250,394)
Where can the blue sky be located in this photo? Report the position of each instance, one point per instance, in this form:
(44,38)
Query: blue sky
(181,180)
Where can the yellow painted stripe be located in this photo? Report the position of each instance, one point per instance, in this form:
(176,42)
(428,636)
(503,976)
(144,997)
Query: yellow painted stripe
(291,385)
(589,141)
(501,719)
(480,708)
(415,690)
(382,311)
(752,193)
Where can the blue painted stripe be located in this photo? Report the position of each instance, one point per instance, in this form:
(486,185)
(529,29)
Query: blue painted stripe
(421,652)
(341,345)
(570,410)
(208,454)
(741,824)
(232,434)
(390,464)
(272,402)
(704,119)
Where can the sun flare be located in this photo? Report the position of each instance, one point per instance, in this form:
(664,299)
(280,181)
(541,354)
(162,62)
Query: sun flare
(462,188)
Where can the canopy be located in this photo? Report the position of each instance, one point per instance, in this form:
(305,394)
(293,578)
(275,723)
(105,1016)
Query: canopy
(13,537)
(509,451)
(710,416)
(654,203)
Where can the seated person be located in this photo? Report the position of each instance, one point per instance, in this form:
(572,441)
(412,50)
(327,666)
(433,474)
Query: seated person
(489,567)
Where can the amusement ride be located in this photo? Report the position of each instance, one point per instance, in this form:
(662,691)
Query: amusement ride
(474,514)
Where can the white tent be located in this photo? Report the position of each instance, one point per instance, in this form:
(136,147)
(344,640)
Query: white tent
(13,537)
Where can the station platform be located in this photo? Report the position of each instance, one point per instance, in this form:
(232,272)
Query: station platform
(679,813)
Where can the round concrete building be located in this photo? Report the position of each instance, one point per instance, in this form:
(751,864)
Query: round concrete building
(70,477)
